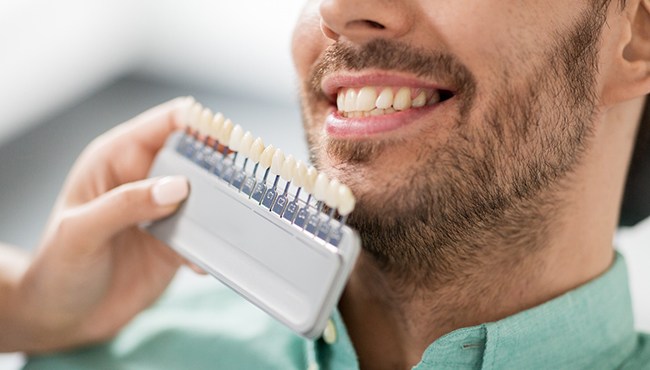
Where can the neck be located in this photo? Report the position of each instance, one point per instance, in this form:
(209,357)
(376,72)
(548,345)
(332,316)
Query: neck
(391,323)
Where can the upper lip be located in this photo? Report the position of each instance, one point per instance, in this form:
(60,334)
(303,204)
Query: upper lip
(331,84)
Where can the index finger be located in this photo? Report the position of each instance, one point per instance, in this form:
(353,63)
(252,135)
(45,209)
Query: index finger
(151,128)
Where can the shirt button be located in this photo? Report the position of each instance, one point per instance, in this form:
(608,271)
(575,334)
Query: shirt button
(329,334)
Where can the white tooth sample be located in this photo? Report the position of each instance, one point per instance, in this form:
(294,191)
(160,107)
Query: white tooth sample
(182,114)
(310,179)
(226,130)
(366,99)
(346,200)
(340,101)
(235,138)
(204,122)
(350,100)
(288,168)
(257,148)
(246,143)
(320,187)
(195,115)
(300,176)
(435,98)
(385,98)
(402,99)
(213,130)
(420,100)
(216,125)
(277,162)
(267,156)
(332,196)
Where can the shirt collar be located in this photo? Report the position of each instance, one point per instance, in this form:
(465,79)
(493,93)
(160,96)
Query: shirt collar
(591,325)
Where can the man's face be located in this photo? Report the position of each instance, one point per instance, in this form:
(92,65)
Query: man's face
(502,98)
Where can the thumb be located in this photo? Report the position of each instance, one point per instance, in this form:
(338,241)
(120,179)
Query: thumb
(131,204)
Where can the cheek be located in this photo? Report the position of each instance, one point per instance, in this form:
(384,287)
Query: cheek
(308,41)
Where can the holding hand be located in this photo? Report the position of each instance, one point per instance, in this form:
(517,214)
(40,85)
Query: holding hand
(95,269)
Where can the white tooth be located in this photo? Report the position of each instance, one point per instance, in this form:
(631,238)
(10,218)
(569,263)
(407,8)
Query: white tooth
(288,168)
(346,200)
(235,138)
(340,101)
(195,115)
(320,187)
(376,112)
(350,100)
(402,99)
(435,98)
(216,125)
(385,99)
(366,99)
(226,130)
(420,100)
(256,150)
(277,162)
(310,179)
(301,174)
(332,196)
(182,114)
(246,143)
(267,156)
(204,123)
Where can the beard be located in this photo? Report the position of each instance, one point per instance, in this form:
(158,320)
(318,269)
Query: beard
(488,195)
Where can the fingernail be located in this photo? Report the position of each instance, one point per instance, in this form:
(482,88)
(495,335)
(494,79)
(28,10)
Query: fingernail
(170,190)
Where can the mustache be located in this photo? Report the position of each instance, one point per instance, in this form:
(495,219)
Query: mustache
(391,55)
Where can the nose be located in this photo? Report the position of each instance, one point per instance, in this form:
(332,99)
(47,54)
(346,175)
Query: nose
(360,21)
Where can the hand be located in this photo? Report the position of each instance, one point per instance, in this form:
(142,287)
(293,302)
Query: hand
(95,269)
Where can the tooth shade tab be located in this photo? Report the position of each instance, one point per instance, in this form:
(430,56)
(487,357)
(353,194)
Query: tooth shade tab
(310,179)
(300,176)
(226,130)
(246,144)
(277,162)
(204,122)
(267,156)
(332,196)
(346,201)
(288,168)
(320,187)
(235,138)
(256,150)
(182,114)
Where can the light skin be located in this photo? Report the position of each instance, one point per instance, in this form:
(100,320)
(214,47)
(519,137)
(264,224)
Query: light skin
(95,269)
(529,245)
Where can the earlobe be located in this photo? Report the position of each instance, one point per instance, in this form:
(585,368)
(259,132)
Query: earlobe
(631,77)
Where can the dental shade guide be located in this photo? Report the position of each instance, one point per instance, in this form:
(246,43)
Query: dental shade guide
(265,231)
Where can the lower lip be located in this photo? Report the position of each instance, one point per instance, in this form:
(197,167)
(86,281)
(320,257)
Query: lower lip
(342,127)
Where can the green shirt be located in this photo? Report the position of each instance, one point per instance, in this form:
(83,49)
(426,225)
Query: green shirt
(210,327)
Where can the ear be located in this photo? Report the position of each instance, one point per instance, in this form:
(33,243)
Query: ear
(629,76)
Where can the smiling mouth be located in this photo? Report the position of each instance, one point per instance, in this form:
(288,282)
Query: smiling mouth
(372,101)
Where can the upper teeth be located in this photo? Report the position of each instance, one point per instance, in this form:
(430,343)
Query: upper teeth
(371,100)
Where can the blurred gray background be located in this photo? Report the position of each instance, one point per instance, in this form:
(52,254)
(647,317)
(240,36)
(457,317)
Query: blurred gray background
(72,69)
